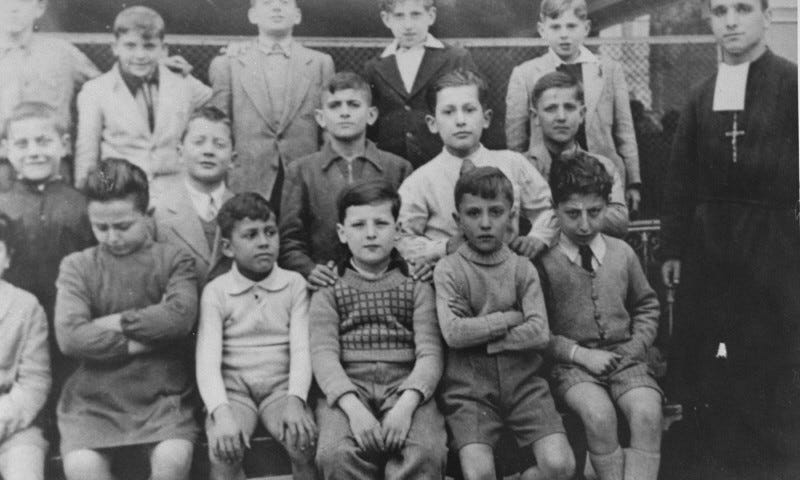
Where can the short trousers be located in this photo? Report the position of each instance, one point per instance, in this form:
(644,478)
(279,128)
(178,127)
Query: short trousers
(628,375)
(247,413)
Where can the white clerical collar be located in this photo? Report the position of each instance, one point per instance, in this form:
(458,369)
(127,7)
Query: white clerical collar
(570,249)
(200,199)
(430,42)
(729,91)
(584,56)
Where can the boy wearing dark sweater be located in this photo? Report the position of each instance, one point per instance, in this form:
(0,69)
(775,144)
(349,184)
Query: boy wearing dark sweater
(492,315)
(376,352)
(603,316)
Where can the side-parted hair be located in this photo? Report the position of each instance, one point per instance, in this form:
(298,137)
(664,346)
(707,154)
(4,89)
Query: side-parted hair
(484,182)
(368,192)
(556,80)
(457,78)
(37,110)
(348,81)
(212,114)
(581,174)
(389,5)
(118,179)
(9,234)
(142,20)
(555,8)
(239,207)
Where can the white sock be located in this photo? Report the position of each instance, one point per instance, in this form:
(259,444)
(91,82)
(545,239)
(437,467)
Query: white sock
(641,465)
(608,466)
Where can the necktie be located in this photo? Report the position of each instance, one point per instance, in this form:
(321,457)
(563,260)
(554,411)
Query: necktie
(467,166)
(147,94)
(586,257)
(211,213)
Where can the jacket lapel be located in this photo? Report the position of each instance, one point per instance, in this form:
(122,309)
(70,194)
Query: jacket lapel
(432,62)
(186,224)
(128,106)
(168,90)
(387,69)
(216,253)
(593,84)
(253,83)
(297,85)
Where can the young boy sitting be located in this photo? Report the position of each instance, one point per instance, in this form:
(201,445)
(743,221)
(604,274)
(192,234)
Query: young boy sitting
(376,352)
(308,209)
(187,214)
(608,130)
(126,310)
(492,316)
(270,91)
(559,111)
(402,75)
(252,357)
(458,114)
(138,109)
(24,372)
(603,316)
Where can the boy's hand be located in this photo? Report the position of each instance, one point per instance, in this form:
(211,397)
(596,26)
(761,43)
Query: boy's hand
(599,362)
(460,307)
(454,242)
(298,428)
(527,246)
(365,427)
(397,421)
(633,197)
(421,271)
(178,64)
(322,276)
(226,438)
(671,273)
(236,48)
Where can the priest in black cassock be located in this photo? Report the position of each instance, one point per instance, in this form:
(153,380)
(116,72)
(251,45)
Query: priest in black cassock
(731,245)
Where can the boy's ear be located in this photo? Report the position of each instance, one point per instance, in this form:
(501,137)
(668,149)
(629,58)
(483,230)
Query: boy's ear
(540,28)
(534,115)
(431,121)
(179,149)
(372,115)
(341,233)
(226,247)
(457,219)
(487,118)
(319,116)
(385,17)
(432,13)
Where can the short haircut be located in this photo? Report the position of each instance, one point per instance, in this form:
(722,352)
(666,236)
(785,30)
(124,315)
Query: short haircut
(37,110)
(118,179)
(458,78)
(139,19)
(368,192)
(580,174)
(389,5)
(9,234)
(484,182)
(555,8)
(212,114)
(556,80)
(348,81)
(253,3)
(764,4)
(239,207)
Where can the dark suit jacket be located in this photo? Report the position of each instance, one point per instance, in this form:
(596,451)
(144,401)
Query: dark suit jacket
(401,127)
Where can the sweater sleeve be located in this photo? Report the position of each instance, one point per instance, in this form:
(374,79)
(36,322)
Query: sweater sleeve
(208,349)
(642,304)
(325,349)
(429,362)
(299,351)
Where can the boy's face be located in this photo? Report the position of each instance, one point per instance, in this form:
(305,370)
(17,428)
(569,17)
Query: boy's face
(565,34)
(409,22)
(559,113)
(738,25)
(17,16)
(484,221)
(581,216)
(253,244)
(137,55)
(35,148)
(345,114)
(207,150)
(369,232)
(459,119)
(5,258)
(274,17)
(118,225)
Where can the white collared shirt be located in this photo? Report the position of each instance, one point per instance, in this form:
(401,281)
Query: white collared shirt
(584,56)
(410,59)
(266,45)
(201,200)
(570,249)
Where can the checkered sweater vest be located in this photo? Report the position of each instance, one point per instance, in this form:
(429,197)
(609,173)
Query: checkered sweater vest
(375,317)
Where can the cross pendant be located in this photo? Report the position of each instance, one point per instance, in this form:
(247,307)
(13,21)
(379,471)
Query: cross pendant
(734,134)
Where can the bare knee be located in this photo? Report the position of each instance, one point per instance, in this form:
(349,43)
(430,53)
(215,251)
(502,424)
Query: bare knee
(646,417)
(23,462)
(477,462)
(557,465)
(85,465)
(171,460)
(600,421)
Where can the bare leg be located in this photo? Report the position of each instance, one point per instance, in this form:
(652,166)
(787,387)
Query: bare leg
(593,405)
(171,460)
(477,462)
(642,407)
(87,465)
(554,459)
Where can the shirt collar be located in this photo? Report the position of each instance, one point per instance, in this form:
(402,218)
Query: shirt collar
(430,42)
(330,156)
(266,46)
(476,156)
(570,249)
(133,83)
(584,56)
(277,280)
(201,198)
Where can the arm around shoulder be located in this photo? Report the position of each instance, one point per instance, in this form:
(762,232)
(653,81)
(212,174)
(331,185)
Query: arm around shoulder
(90,132)
(219,75)
(517,112)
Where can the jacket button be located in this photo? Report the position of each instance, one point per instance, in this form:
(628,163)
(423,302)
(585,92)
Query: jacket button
(409,135)
(407,108)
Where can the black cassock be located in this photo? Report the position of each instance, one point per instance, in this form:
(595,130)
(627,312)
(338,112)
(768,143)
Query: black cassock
(730,215)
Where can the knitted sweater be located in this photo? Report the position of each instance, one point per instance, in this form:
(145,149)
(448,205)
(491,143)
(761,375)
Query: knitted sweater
(504,294)
(388,319)
(613,308)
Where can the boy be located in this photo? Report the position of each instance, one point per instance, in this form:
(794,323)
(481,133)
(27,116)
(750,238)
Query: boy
(608,130)
(492,315)
(458,114)
(126,310)
(603,317)
(402,75)
(376,352)
(252,345)
(186,215)
(138,109)
(24,372)
(270,91)
(558,110)
(308,210)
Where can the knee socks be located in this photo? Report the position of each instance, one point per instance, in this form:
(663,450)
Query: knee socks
(608,466)
(641,465)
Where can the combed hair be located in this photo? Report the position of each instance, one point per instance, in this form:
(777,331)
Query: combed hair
(37,110)
(348,81)
(212,114)
(239,207)
(556,80)
(367,192)
(555,8)
(764,4)
(253,3)
(484,182)
(457,78)
(580,174)
(388,5)
(118,179)
(142,20)
(9,234)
